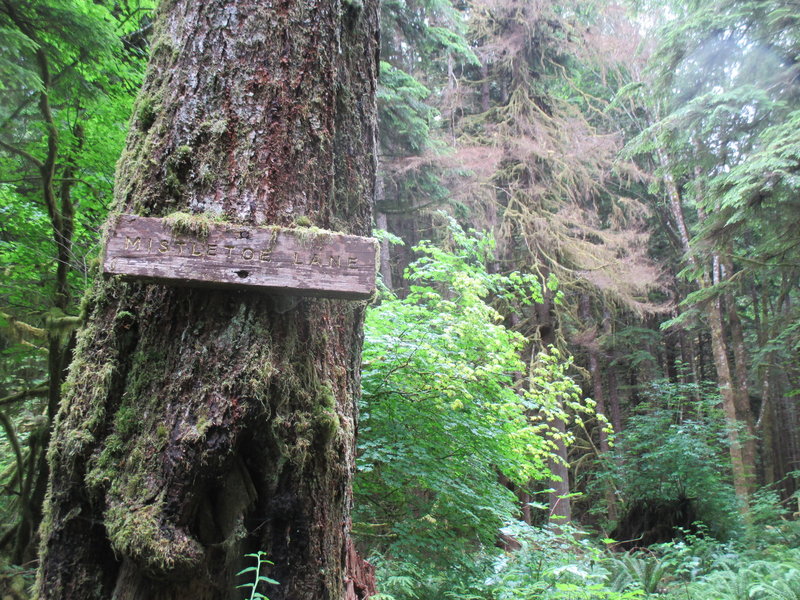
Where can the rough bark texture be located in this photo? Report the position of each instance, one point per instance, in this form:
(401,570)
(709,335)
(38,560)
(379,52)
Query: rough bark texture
(198,425)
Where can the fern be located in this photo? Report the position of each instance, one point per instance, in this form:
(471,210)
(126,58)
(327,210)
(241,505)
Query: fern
(258,577)
(644,573)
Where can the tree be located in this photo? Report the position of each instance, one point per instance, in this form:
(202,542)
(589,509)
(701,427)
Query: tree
(69,79)
(420,40)
(722,133)
(198,425)
(534,128)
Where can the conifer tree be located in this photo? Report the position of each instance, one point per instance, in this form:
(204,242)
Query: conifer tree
(200,425)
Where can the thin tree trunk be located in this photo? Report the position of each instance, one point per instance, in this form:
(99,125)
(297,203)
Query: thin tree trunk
(559,498)
(766,425)
(725,379)
(739,461)
(613,392)
(689,374)
(613,400)
(744,412)
(198,424)
(598,395)
(386,265)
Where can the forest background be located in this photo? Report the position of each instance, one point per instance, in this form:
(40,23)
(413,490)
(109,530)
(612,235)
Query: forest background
(580,377)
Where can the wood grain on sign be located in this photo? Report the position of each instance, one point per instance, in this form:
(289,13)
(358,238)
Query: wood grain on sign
(279,260)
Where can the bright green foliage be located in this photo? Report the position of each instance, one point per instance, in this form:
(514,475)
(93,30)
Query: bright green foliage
(639,572)
(702,568)
(695,555)
(566,565)
(401,100)
(446,410)
(83,58)
(68,74)
(754,580)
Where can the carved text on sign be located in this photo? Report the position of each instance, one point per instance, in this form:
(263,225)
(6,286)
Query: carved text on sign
(298,261)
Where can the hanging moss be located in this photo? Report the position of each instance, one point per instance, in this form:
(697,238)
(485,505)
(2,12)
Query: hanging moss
(326,419)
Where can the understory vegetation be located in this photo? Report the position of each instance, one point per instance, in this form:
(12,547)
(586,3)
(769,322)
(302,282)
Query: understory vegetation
(581,370)
(451,425)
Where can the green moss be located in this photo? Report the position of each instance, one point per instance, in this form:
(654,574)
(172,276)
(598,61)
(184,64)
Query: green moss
(215,127)
(93,386)
(177,170)
(203,423)
(146,113)
(162,47)
(126,421)
(198,225)
(308,235)
(302,221)
(138,531)
(182,154)
(124,315)
(326,419)
(162,434)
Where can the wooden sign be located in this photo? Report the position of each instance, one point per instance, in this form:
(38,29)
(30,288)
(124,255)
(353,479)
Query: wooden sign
(302,261)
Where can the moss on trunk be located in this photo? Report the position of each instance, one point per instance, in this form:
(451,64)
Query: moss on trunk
(198,425)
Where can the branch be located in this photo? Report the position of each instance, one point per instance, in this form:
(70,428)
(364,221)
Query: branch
(39,391)
(55,79)
(20,152)
(11,434)
(22,327)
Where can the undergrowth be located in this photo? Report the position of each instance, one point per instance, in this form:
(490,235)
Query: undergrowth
(566,564)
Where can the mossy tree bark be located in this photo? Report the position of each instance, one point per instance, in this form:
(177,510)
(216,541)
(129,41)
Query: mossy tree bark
(198,425)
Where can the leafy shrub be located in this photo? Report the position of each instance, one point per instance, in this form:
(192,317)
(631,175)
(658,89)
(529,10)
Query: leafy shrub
(696,554)
(562,564)
(447,408)
(756,580)
(675,447)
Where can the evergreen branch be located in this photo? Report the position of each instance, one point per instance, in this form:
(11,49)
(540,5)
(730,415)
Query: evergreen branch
(55,79)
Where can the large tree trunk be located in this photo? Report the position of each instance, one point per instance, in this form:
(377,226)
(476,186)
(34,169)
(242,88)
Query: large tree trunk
(198,425)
